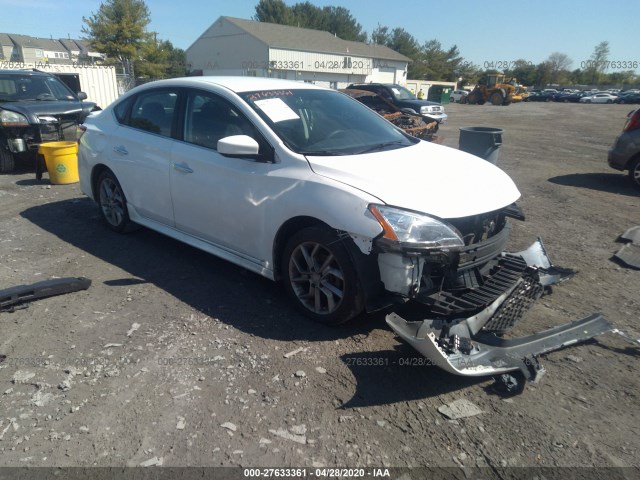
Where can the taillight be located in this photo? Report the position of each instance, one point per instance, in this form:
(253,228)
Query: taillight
(633,121)
(81,130)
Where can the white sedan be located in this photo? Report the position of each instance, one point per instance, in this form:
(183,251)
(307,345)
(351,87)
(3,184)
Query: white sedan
(307,186)
(599,98)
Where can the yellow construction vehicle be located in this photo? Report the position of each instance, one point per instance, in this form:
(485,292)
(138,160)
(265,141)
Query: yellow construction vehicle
(494,88)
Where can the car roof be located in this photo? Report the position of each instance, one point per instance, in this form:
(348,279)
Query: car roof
(236,84)
(362,85)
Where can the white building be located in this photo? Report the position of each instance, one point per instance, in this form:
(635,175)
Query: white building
(233,46)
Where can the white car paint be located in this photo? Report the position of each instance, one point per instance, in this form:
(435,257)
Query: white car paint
(599,98)
(234,207)
(421,180)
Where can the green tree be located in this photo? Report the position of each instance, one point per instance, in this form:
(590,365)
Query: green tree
(336,20)
(344,25)
(160,60)
(524,71)
(118,29)
(598,64)
(442,64)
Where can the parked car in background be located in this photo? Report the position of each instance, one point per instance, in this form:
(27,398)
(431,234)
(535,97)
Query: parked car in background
(458,95)
(404,99)
(625,153)
(568,97)
(601,97)
(304,185)
(412,123)
(540,97)
(628,98)
(36,107)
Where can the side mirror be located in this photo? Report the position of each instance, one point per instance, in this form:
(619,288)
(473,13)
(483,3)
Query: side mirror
(82,96)
(238,145)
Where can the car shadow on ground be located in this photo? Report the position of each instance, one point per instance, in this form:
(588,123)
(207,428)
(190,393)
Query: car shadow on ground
(398,375)
(239,298)
(606,182)
(213,286)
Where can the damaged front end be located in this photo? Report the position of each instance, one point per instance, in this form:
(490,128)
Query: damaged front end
(472,292)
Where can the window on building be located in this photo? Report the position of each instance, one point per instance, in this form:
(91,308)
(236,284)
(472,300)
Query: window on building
(39,53)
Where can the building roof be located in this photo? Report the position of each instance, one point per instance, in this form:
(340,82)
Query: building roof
(295,38)
(5,40)
(25,41)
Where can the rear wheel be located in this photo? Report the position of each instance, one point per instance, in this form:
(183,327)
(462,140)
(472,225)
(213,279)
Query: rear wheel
(319,276)
(634,171)
(112,202)
(7,162)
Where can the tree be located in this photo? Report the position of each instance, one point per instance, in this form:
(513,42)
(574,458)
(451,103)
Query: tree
(273,11)
(119,30)
(598,63)
(161,60)
(558,65)
(524,71)
(344,25)
(336,20)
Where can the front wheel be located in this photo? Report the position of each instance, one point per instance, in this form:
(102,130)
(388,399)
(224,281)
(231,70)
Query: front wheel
(634,171)
(7,163)
(112,202)
(319,276)
(496,98)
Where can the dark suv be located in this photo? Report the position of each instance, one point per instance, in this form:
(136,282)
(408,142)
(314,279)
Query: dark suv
(36,107)
(404,100)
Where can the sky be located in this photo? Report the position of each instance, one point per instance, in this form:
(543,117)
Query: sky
(484,32)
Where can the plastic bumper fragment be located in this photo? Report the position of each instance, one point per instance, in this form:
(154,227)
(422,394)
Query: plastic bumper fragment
(487,354)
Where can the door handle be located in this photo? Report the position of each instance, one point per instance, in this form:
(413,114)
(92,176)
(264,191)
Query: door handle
(121,150)
(182,168)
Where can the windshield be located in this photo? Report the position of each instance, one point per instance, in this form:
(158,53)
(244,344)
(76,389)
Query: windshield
(18,88)
(402,93)
(325,122)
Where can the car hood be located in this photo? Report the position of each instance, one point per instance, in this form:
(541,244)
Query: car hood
(425,177)
(34,109)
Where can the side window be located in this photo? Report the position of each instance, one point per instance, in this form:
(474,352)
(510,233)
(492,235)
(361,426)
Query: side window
(153,112)
(208,118)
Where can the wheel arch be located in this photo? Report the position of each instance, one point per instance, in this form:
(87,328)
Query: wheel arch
(286,230)
(633,159)
(95,175)
(369,282)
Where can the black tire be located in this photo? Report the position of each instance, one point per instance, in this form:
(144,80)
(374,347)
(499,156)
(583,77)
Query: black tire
(634,171)
(112,202)
(7,162)
(319,276)
(496,98)
(609,101)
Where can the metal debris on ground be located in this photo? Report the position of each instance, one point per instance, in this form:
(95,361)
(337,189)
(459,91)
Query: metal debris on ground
(629,254)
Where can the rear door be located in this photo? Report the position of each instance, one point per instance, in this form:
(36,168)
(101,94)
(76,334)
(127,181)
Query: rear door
(141,153)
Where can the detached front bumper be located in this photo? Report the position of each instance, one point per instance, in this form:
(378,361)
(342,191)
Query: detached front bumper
(471,346)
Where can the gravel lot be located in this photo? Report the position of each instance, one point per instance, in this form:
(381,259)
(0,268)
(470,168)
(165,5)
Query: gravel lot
(173,357)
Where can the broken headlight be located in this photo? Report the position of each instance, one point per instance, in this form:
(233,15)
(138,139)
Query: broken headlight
(415,229)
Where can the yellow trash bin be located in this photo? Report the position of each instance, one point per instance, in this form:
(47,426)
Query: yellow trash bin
(61,159)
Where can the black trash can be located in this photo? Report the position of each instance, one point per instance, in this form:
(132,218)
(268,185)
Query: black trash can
(483,142)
